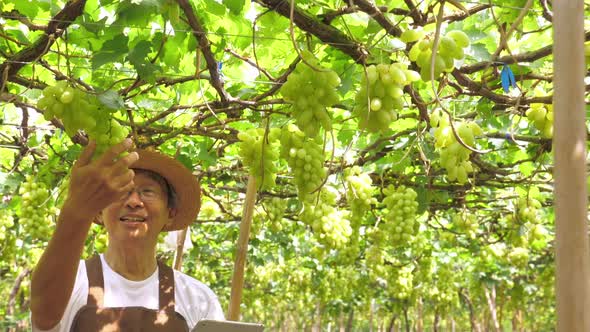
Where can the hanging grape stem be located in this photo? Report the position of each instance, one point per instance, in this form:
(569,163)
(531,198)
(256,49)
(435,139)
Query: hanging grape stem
(439,21)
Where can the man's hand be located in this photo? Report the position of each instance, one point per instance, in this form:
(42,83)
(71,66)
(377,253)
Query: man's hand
(95,184)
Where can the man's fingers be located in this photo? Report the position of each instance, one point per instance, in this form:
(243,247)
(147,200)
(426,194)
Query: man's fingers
(122,165)
(128,185)
(108,158)
(86,155)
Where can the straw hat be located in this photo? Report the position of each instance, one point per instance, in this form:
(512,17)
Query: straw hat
(184,183)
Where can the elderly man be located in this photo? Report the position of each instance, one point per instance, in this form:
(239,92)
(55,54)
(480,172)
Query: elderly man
(135,197)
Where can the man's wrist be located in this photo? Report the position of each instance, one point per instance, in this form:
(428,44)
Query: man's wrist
(72,212)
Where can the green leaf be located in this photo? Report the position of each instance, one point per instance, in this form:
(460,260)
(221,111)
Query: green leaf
(136,14)
(138,57)
(111,99)
(214,8)
(112,50)
(234,6)
(28,8)
(526,168)
(94,27)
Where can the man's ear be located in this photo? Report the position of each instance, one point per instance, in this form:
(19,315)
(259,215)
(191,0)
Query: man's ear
(99,218)
(171,214)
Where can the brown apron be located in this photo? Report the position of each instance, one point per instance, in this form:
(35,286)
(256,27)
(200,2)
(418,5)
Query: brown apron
(94,318)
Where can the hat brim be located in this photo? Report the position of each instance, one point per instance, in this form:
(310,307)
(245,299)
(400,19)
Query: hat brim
(184,183)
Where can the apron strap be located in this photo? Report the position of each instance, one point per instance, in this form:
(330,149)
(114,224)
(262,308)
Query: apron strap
(95,282)
(166,287)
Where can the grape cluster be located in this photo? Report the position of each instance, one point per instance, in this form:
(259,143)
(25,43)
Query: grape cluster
(381,95)
(7,236)
(79,110)
(330,225)
(454,157)
(519,257)
(275,210)
(450,48)
(35,209)
(359,191)
(270,214)
(401,223)
(527,209)
(465,223)
(305,157)
(444,292)
(310,91)
(259,152)
(402,284)
(6,223)
(541,116)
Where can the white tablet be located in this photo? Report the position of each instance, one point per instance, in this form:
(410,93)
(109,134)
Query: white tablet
(226,326)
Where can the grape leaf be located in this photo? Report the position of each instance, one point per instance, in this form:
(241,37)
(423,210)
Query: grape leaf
(138,57)
(111,99)
(234,6)
(112,50)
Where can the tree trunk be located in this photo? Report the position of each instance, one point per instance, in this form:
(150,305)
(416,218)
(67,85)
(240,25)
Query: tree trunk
(450,324)
(419,321)
(435,323)
(517,321)
(391,326)
(350,320)
(341,326)
(371,316)
(406,320)
(318,318)
(491,297)
(472,317)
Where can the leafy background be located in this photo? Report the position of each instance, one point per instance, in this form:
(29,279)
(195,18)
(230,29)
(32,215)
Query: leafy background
(188,76)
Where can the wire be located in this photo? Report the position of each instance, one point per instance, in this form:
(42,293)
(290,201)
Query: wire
(129,71)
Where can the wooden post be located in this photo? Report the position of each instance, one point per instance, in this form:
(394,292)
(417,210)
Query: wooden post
(237,283)
(181,236)
(571,202)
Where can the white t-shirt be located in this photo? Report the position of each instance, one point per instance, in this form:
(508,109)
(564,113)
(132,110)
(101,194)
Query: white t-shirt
(194,300)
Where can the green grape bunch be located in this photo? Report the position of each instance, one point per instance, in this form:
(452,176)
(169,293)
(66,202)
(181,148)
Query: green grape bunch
(259,153)
(7,236)
(527,209)
(380,95)
(518,257)
(79,110)
(330,225)
(35,209)
(541,116)
(400,221)
(275,210)
(6,224)
(269,216)
(451,47)
(359,191)
(311,91)
(402,283)
(465,223)
(454,157)
(305,157)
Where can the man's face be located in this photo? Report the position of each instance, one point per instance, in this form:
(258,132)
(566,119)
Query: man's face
(141,214)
